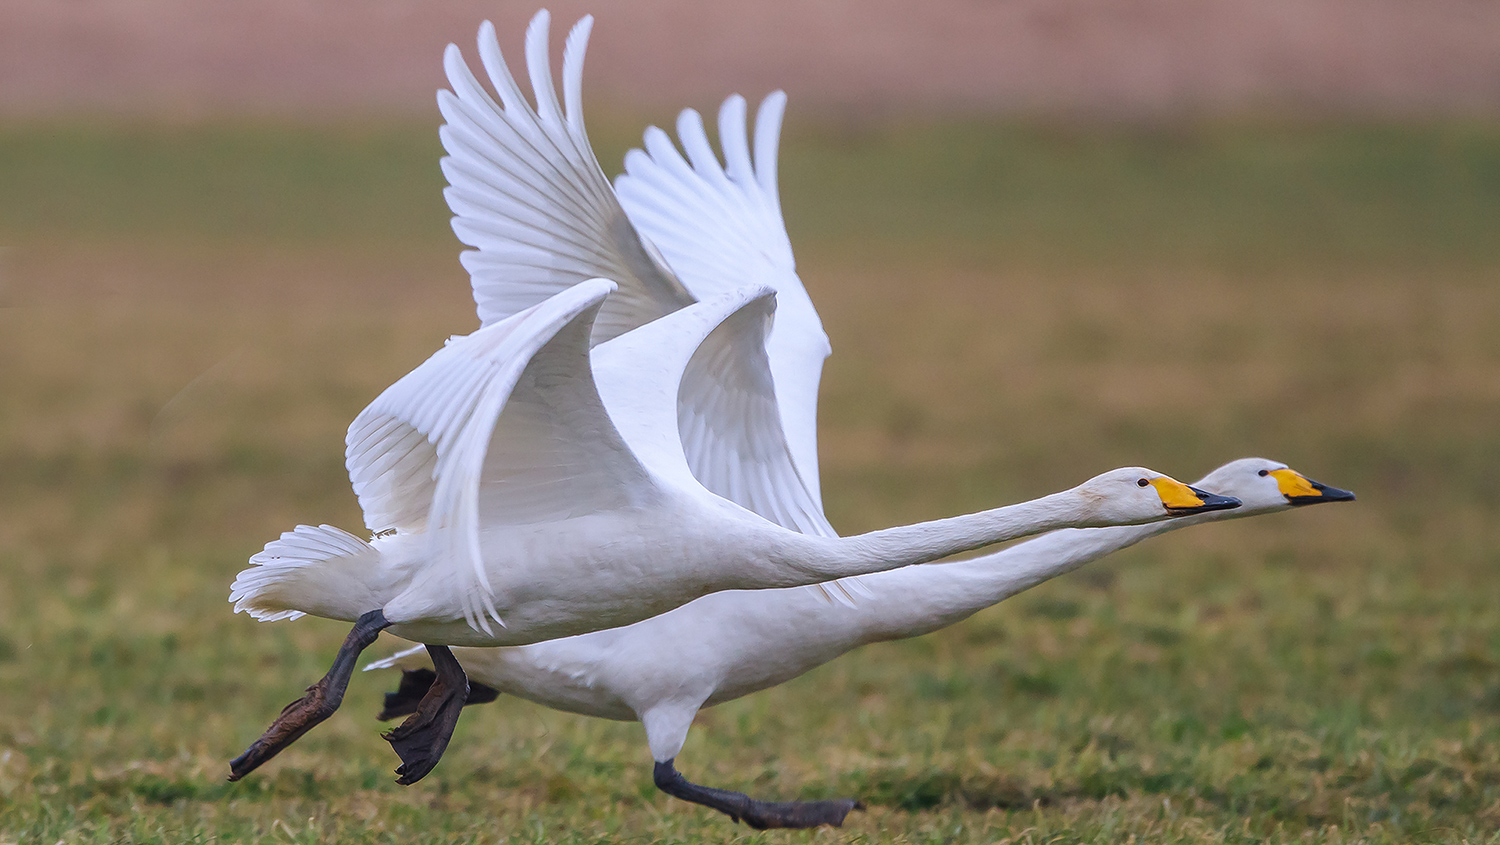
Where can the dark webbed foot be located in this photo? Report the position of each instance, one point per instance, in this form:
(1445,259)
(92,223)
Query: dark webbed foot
(321,700)
(764,815)
(414,686)
(760,815)
(423,737)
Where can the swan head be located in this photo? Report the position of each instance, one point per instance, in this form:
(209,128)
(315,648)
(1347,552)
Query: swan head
(1135,495)
(1266,486)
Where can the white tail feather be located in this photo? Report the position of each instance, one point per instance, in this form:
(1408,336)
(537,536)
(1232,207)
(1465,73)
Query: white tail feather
(411,658)
(290,568)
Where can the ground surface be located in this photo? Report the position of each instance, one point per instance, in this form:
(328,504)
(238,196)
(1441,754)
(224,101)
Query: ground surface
(190,317)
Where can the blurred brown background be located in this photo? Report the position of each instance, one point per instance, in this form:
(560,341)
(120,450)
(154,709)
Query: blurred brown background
(335,57)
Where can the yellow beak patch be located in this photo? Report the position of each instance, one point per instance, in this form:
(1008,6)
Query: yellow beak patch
(1175,494)
(1292,485)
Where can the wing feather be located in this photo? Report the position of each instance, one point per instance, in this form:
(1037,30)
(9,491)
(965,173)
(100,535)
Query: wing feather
(707,404)
(731,428)
(720,228)
(529,196)
(527,192)
(500,427)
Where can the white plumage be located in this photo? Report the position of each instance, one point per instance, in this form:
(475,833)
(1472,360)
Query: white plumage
(720,227)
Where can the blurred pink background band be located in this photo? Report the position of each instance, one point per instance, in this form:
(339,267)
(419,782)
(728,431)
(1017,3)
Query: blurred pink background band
(1096,57)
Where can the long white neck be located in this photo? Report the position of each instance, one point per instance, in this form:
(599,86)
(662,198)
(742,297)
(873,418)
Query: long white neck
(920,599)
(890,548)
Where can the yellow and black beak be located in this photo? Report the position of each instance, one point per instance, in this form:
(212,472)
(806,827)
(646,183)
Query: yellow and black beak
(1180,500)
(1301,490)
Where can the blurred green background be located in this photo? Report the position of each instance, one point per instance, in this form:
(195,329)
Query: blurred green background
(192,312)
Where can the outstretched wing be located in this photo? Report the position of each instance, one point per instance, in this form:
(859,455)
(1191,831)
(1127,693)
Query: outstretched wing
(720,228)
(731,429)
(503,426)
(693,391)
(527,192)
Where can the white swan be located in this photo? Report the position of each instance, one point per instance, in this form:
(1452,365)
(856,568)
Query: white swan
(515,478)
(661,671)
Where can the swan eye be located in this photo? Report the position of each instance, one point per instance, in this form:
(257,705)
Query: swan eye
(1263,473)
(1141,482)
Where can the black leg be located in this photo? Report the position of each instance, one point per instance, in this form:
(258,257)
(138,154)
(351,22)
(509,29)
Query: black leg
(414,686)
(318,704)
(757,814)
(423,737)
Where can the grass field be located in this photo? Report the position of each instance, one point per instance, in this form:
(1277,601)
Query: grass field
(190,316)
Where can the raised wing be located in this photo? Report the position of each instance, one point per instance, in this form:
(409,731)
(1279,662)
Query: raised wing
(720,228)
(693,391)
(500,427)
(528,194)
(731,429)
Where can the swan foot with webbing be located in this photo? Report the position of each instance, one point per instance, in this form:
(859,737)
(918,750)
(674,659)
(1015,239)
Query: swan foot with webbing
(761,815)
(421,740)
(413,688)
(320,701)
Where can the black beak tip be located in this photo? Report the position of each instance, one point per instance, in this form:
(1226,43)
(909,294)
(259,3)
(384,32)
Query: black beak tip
(1210,502)
(1325,494)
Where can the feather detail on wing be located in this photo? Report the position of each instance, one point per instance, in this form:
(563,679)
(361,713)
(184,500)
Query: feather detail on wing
(500,427)
(730,429)
(720,228)
(724,435)
(640,376)
(527,192)
(733,436)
